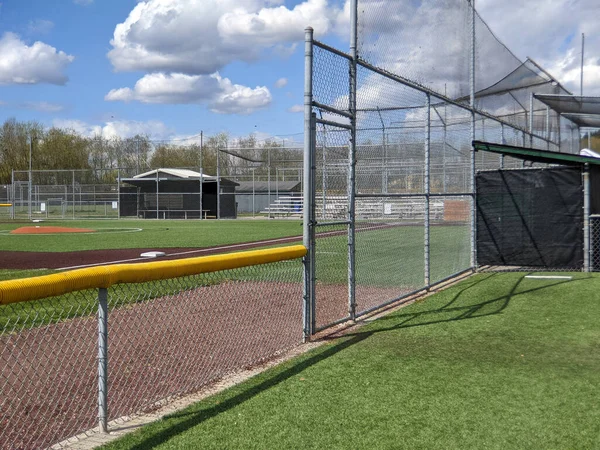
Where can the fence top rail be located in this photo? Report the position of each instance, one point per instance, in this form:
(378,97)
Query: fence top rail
(35,288)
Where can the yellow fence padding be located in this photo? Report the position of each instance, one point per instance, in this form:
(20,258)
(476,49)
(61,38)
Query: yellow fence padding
(26,289)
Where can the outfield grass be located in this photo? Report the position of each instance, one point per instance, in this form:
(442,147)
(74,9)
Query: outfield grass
(113,234)
(497,361)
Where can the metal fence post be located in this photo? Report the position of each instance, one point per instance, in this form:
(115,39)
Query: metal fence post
(157,201)
(202,174)
(472,104)
(312,203)
(307,186)
(586,218)
(531,120)
(73,188)
(218,184)
(352,161)
(103,359)
(547,128)
(118,193)
(12,189)
(427,190)
(503,140)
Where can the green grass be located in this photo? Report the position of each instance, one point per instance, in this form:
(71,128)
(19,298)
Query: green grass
(155,233)
(394,257)
(495,362)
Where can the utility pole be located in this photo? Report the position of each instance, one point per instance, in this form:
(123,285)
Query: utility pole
(582,49)
(201,171)
(30,173)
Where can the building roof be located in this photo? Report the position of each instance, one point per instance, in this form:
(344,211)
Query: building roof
(535,155)
(174,173)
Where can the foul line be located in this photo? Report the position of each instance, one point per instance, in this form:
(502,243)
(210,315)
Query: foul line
(233,246)
(202,250)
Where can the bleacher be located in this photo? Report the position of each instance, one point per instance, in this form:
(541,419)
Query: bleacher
(285,206)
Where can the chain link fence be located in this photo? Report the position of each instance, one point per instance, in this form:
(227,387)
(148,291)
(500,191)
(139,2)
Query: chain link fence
(393,125)
(165,338)
(595,243)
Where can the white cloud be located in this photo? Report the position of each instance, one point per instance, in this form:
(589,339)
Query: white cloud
(296,108)
(117,128)
(281,83)
(201,37)
(43,106)
(78,126)
(268,26)
(38,63)
(219,94)
(40,26)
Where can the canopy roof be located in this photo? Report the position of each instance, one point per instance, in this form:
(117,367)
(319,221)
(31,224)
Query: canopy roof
(534,155)
(527,75)
(583,111)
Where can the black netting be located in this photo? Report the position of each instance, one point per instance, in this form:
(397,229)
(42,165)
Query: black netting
(531,218)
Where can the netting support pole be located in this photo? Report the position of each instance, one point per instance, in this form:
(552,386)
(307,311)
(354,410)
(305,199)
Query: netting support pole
(472,104)
(531,120)
(571,141)
(352,161)
(103,359)
(558,132)
(547,128)
(427,190)
(307,225)
(503,140)
(586,218)
(12,190)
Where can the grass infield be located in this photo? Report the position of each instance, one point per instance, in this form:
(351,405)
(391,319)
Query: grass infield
(497,361)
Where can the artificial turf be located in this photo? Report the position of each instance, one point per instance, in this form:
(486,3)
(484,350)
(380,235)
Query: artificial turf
(498,361)
(117,234)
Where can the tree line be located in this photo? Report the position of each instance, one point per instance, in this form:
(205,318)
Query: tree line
(55,149)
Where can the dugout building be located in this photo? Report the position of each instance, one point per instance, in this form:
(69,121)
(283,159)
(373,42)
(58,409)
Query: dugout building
(547,217)
(177,194)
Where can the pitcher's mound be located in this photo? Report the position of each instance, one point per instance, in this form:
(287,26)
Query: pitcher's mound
(50,230)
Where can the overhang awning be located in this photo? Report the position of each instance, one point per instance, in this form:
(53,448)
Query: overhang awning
(584,120)
(583,111)
(534,155)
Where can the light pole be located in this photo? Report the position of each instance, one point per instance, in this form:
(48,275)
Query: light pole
(30,184)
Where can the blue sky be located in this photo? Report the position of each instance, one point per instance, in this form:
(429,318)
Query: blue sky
(83,30)
(59,66)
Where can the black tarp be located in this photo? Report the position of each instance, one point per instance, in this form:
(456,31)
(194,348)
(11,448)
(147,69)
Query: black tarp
(530,217)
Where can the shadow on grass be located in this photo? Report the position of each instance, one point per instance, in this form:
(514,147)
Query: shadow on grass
(196,417)
(482,309)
